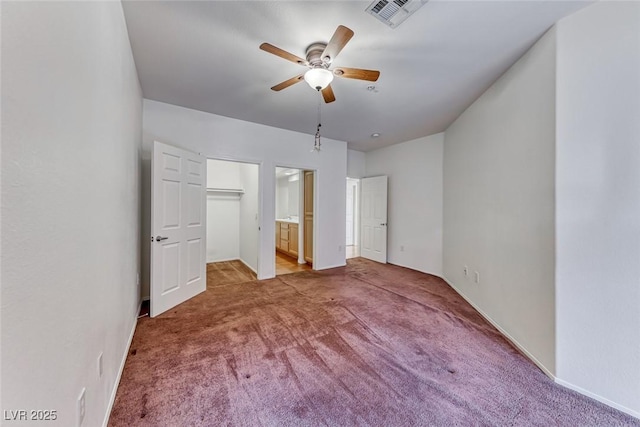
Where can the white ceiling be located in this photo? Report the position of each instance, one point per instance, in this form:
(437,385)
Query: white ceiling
(204,55)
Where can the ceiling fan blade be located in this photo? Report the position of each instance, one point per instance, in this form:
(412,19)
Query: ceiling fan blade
(357,73)
(340,38)
(285,84)
(282,54)
(327,94)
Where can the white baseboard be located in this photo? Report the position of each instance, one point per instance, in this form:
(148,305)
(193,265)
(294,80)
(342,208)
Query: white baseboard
(439,274)
(222,260)
(116,383)
(503,332)
(599,398)
(327,267)
(248,266)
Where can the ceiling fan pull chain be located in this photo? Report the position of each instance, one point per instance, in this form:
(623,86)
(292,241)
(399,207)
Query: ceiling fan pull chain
(316,145)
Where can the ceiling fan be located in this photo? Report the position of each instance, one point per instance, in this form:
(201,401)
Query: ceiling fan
(319,57)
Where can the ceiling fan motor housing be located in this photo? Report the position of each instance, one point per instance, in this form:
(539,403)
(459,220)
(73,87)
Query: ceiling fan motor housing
(314,55)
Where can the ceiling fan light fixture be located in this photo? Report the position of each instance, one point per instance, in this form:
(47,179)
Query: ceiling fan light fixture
(318,78)
(319,56)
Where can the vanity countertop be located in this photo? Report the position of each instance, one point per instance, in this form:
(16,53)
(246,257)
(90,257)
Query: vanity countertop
(288,221)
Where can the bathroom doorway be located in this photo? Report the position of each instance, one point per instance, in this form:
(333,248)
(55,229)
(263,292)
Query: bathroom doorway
(294,220)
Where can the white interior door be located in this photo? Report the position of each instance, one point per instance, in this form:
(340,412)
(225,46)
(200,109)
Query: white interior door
(178,212)
(373,218)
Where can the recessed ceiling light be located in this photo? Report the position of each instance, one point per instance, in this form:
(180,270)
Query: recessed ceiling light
(375,135)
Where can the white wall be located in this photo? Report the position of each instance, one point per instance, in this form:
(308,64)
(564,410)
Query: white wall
(414,201)
(293,188)
(356,164)
(598,203)
(223,227)
(287,195)
(225,138)
(71,114)
(249,214)
(499,202)
(223,174)
(282,197)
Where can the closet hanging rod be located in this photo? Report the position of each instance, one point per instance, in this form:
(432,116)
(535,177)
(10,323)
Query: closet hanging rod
(226,190)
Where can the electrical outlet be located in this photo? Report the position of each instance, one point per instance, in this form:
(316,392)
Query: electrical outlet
(466,271)
(477,277)
(339,248)
(138,279)
(401,248)
(81,407)
(100,365)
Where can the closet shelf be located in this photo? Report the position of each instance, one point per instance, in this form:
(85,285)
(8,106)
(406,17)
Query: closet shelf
(225,190)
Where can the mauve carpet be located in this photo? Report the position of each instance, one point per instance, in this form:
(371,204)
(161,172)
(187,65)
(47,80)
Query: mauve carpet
(367,345)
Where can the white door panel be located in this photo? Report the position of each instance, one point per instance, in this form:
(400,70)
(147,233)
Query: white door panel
(194,216)
(170,267)
(194,256)
(178,195)
(170,215)
(374,218)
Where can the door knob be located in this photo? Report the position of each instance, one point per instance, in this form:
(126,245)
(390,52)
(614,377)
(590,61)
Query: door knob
(160,238)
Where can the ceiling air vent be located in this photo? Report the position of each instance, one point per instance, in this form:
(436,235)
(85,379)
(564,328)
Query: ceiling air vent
(394,12)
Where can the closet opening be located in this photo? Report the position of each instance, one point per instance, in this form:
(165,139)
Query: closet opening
(233,214)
